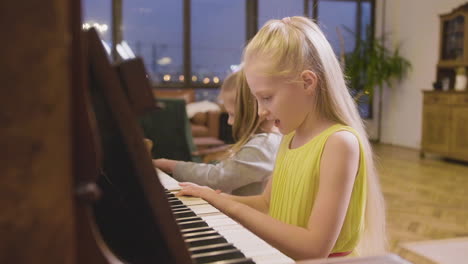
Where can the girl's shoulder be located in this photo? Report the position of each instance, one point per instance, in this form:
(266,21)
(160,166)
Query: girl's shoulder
(343,139)
(339,132)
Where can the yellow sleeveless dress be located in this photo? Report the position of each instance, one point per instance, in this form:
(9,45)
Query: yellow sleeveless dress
(296,181)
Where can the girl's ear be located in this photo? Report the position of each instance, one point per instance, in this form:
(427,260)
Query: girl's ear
(310,81)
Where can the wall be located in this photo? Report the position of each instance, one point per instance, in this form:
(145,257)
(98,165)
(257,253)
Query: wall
(414,24)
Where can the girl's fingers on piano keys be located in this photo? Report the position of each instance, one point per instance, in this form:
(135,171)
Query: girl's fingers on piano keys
(193,189)
(183,184)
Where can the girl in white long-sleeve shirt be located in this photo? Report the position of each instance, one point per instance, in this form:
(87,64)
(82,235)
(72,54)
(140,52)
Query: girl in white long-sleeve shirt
(250,161)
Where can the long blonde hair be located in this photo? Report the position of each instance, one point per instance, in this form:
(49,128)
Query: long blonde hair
(246,120)
(295,44)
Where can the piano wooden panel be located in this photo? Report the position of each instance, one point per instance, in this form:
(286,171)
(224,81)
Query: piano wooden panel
(36,218)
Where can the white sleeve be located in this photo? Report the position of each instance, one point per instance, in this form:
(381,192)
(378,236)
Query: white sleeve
(252,163)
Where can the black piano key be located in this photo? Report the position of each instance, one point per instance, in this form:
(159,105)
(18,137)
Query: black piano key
(178,206)
(203,241)
(173,199)
(211,248)
(200,234)
(192,224)
(217,256)
(187,213)
(175,202)
(188,218)
(196,229)
(181,209)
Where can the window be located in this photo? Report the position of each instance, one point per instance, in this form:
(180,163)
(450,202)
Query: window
(337,19)
(277,9)
(154,31)
(342,21)
(217,39)
(97,13)
(196,43)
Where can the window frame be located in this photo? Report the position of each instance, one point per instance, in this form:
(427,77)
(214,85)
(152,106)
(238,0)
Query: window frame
(310,10)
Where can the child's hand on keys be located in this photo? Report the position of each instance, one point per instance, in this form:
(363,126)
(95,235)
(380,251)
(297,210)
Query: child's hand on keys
(192,189)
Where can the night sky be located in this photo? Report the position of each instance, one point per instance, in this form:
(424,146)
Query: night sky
(154,29)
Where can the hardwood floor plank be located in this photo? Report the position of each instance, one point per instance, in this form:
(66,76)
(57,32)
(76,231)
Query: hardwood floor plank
(426,198)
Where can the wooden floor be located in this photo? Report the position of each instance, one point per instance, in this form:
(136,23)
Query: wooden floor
(426,198)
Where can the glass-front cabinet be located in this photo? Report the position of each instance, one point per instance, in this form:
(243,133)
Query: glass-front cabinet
(454,31)
(453,38)
(453,55)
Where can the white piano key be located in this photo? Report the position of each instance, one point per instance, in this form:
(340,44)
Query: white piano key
(187,200)
(203,209)
(167,181)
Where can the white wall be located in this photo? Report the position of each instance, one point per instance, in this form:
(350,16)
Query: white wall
(415,25)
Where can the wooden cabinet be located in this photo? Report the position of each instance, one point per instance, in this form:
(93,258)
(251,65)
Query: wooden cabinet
(453,52)
(445,124)
(445,114)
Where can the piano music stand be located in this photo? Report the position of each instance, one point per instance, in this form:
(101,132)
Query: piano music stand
(134,80)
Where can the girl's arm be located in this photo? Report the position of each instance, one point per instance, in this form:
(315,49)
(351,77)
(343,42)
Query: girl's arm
(166,165)
(339,165)
(253,163)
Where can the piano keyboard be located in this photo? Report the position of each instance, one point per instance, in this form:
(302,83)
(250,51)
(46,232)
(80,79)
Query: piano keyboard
(213,237)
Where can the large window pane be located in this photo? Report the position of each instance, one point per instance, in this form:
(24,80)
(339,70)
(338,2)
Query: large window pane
(338,16)
(218,37)
(277,9)
(154,31)
(98,13)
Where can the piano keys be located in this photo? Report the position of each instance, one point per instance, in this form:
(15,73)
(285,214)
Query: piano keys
(212,235)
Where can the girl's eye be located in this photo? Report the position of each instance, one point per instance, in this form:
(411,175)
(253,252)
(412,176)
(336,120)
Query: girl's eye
(266,98)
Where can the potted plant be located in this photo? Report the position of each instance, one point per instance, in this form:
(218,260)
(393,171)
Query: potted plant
(370,65)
